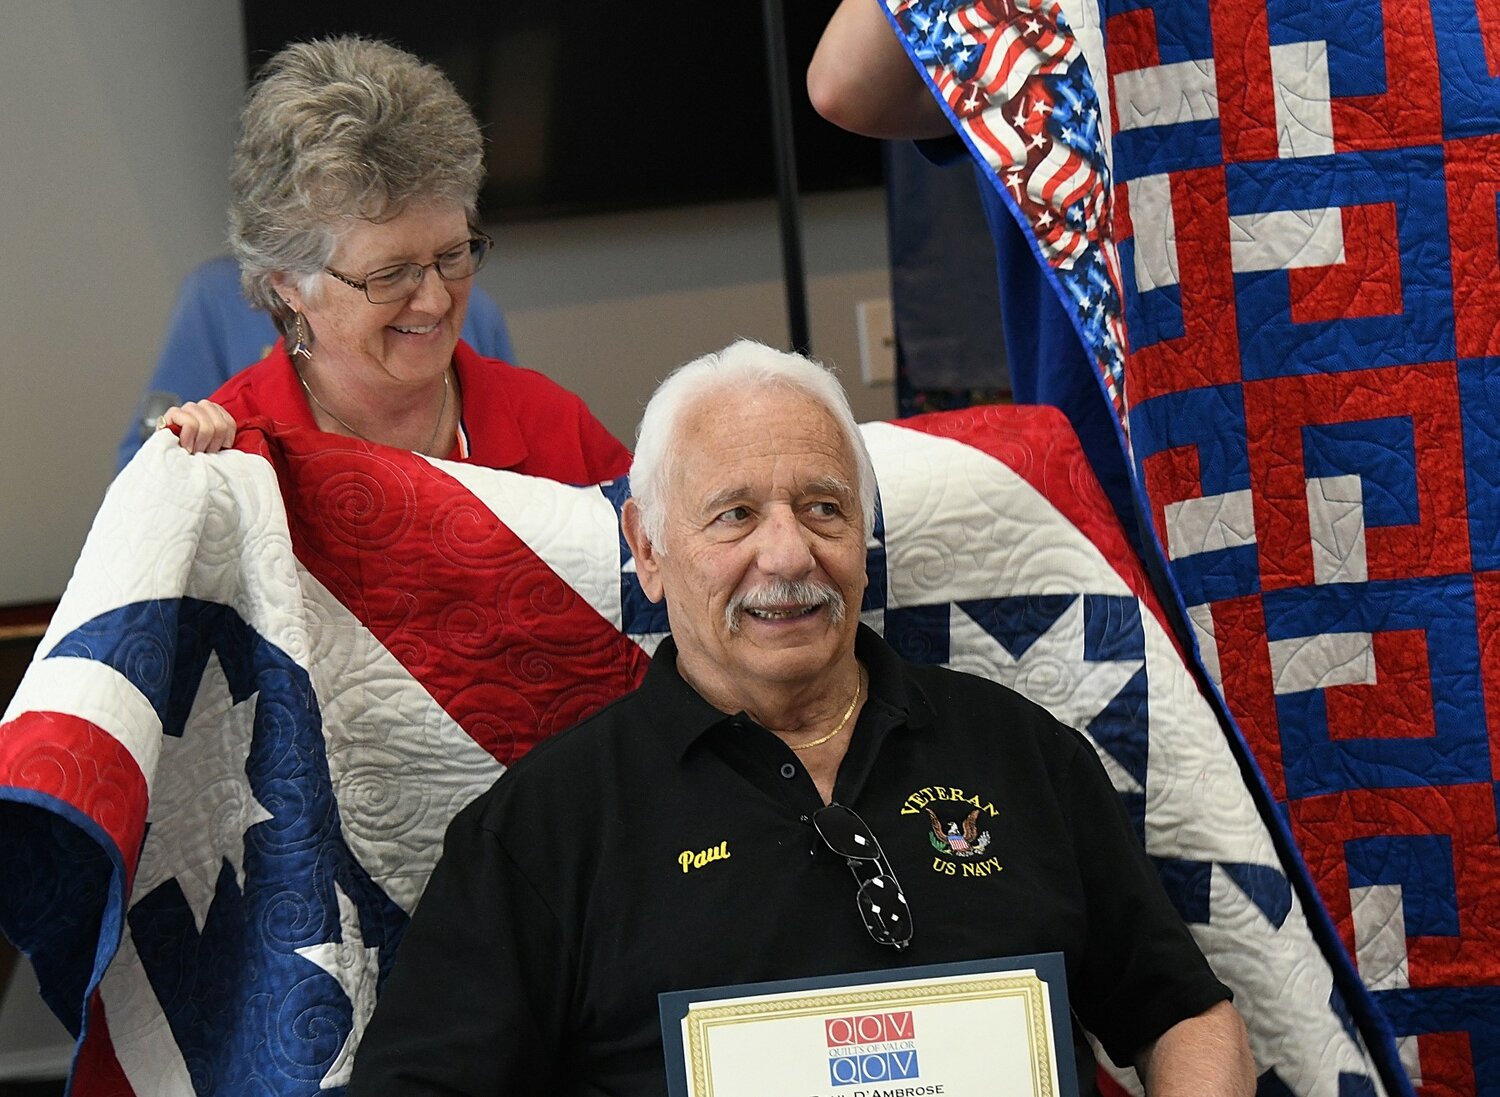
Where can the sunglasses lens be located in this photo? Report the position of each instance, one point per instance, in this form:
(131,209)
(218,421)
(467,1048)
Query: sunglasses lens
(884,910)
(846,833)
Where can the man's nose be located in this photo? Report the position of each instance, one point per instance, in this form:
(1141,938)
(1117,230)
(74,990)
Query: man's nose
(784,545)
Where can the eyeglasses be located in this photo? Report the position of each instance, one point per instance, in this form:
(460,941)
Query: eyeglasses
(882,904)
(399,282)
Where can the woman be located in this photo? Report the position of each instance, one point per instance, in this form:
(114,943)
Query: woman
(354,186)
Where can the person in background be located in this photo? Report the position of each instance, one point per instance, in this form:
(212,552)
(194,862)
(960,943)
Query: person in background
(775,731)
(354,186)
(861,79)
(214,333)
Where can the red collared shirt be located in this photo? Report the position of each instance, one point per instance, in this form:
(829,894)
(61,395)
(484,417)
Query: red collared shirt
(513,418)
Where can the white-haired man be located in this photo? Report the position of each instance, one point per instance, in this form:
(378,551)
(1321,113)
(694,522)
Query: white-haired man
(684,836)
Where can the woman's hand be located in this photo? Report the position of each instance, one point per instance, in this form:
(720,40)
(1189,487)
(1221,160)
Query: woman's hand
(204,427)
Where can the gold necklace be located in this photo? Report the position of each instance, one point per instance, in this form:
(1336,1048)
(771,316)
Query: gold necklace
(442,408)
(859,687)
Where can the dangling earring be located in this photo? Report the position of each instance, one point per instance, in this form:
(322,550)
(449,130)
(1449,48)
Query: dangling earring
(301,349)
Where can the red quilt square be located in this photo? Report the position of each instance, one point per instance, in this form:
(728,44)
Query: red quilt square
(1277,410)
(1399,703)
(1466,814)
(1472,168)
(1366,283)
(1208,352)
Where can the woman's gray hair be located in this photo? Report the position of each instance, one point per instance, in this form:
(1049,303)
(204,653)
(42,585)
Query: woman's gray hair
(728,374)
(339,129)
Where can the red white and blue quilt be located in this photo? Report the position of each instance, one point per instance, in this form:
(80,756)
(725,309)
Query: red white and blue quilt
(279,671)
(1275,222)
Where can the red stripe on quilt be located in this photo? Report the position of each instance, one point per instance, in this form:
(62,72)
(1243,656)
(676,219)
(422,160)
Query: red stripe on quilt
(83,765)
(404,547)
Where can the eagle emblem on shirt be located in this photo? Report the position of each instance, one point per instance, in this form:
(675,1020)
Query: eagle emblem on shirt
(962,839)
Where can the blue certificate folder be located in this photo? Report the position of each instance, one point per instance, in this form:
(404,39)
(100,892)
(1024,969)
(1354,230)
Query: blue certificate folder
(1048,966)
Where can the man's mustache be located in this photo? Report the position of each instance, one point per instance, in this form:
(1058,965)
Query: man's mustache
(782,593)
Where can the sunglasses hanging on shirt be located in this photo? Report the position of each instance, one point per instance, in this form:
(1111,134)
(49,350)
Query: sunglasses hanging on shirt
(882,905)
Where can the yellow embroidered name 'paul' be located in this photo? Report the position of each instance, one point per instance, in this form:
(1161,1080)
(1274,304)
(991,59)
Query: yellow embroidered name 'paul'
(688,859)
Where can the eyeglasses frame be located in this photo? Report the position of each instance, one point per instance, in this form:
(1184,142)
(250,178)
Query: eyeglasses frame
(364,286)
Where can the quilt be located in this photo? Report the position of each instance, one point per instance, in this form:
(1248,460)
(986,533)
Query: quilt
(1275,223)
(279,671)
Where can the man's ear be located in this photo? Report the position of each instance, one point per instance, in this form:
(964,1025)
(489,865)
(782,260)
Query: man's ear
(647,559)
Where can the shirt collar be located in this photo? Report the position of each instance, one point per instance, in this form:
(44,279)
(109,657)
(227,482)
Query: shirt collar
(890,686)
(680,713)
(491,426)
(280,389)
(683,716)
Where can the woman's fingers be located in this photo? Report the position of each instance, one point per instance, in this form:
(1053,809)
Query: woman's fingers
(202,426)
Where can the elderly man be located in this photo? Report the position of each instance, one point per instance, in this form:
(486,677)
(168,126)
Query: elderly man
(684,837)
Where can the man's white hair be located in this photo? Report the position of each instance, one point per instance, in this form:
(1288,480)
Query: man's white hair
(743,365)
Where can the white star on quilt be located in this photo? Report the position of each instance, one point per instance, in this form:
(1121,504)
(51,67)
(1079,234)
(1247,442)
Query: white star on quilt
(356,969)
(1278,991)
(201,802)
(1052,672)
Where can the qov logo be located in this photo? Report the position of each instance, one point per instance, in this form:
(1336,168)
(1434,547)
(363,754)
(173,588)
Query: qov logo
(871,1047)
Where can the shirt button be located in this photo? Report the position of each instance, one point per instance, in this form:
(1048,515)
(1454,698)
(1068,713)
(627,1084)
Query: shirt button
(788,770)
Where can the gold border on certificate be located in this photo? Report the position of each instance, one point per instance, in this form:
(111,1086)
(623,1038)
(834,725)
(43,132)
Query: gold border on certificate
(1023,988)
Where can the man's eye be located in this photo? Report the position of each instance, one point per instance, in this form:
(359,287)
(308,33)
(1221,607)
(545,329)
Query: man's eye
(825,510)
(734,514)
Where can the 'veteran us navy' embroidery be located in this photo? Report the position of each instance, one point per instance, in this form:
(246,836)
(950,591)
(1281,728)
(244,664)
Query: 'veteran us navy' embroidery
(957,825)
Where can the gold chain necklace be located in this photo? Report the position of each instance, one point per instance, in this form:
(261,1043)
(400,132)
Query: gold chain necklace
(859,688)
(442,409)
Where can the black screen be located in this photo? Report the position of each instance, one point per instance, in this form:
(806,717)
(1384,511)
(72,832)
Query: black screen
(594,106)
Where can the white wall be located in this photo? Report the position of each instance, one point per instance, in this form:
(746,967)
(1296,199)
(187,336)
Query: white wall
(114,129)
(607,305)
(116,121)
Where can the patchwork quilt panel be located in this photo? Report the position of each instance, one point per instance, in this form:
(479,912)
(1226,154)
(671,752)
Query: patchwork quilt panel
(279,671)
(1277,223)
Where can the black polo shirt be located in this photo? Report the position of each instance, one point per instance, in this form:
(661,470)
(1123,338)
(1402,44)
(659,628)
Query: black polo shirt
(662,845)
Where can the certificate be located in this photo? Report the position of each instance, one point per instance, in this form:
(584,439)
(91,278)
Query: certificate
(974,1029)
